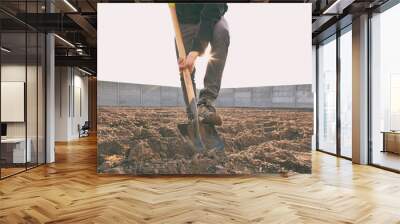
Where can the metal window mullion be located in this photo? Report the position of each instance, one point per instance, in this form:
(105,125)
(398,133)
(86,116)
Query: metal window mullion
(369,89)
(37,90)
(45,93)
(73,92)
(26,87)
(0,96)
(69,93)
(338,93)
(317,97)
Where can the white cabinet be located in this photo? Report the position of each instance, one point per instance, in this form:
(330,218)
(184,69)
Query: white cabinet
(19,154)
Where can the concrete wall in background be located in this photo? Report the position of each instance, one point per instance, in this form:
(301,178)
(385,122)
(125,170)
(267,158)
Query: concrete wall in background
(126,94)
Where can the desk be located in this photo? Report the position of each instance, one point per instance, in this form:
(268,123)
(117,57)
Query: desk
(391,141)
(13,150)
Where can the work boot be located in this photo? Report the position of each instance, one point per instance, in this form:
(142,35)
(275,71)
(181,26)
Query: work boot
(208,115)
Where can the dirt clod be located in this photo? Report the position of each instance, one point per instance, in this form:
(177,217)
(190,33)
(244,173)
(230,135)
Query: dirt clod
(146,141)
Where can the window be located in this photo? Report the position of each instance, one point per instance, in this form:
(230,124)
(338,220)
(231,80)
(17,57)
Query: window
(327,96)
(346,93)
(385,89)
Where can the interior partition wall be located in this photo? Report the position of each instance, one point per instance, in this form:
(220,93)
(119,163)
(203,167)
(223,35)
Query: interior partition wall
(385,89)
(23,87)
(334,86)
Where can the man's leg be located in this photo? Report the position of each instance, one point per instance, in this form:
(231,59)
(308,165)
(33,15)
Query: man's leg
(215,67)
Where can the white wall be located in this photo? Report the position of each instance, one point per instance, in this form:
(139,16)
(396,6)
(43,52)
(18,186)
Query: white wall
(259,52)
(79,117)
(13,73)
(69,82)
(62,81)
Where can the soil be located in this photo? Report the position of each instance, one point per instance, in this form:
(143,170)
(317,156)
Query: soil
(139,141)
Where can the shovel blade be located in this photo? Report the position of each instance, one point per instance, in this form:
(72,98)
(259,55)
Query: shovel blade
(189,134)
(211,138)
(208,138)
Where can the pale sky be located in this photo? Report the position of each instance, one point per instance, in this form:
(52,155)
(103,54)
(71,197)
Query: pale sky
(270,45)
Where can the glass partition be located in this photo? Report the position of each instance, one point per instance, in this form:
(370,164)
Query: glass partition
(22,88)
(13,94)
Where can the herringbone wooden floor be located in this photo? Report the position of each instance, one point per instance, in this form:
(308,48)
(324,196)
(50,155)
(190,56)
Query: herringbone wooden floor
(70,191)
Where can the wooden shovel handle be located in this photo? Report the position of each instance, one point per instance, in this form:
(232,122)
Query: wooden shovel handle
(190,92)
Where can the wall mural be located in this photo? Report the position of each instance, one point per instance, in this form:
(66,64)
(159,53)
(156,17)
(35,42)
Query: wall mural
(204,89)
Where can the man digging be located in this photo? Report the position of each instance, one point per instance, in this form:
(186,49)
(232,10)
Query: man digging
(202,24)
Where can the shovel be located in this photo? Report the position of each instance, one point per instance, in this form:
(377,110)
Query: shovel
(198,135)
